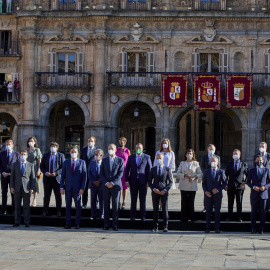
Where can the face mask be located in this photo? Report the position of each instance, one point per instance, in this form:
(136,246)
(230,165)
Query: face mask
(165,145)
(211,152)
(235,157)
(53,149)
(159,161)
(111,152)
(74,155)
(8,147)
(138,151)
(23,158)
(31,144)
(262,150)
(189,156)
(259,163)
(96,158)
(213,164)
(91,144)
(121,144)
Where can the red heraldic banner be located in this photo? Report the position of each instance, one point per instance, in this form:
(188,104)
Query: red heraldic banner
(206,92)
(239,91)
(174,90)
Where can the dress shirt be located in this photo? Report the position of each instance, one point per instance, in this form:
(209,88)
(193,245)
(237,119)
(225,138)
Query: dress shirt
(89,150)
(237,164)
(138,158)
(111,164)
(98,165)
(74,161)
(52,155)
(8,153)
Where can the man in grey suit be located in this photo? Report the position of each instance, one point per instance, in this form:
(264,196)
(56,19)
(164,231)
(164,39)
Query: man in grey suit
(111,171)
(22,184)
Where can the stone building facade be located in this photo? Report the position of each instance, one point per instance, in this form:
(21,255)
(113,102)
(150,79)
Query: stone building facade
(101,60)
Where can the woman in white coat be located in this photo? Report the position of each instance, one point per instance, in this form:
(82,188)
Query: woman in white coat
(190,173)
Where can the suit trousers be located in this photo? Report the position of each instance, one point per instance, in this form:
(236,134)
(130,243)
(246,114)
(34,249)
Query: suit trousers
(136,189)
(232,193)
(268,200)
(5,182)
(164,201)
(109,193)
(85,194)
(77,200)
(209,203)
(97,192)
(49,185)
(19,196)
(258,204)
(187,205)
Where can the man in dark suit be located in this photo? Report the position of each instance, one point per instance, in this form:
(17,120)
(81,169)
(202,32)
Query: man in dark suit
(206,162)
(22,184)
(214,181)
(73,180)
(51,167)
(111,171)
(7,159)
(88,155)
(136,174)
(259,182)
(236,173)
(95,184)
(160,181)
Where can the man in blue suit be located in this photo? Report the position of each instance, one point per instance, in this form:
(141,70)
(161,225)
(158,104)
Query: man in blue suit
(7,159)
(136,174)
(51,167)
(73,180)
(259,182)
(95,184)
(88,155)
(214,181)
(111,171)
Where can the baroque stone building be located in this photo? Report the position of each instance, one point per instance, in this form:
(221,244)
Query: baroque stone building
(101,62)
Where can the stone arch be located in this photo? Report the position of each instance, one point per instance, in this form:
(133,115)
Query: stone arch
(260,114)
(48,106)
(15,116)
(121,103)
(239,59)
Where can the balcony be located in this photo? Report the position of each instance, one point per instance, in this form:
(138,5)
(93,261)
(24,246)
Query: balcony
(8,8)
(10,48)
(210,5)
(11,98)
(57,81)
(64,5)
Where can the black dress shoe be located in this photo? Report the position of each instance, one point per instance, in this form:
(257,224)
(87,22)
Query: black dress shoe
(2,212)
(207,231)
(93,218)
(44,214)
(143,219)
(27,225)
(115,228)
(155,230)
(165,229)
(67,226)
(106,228)
(132,219)
(253,231)
(84,206)
(16,225)
(217,231)
(77,226)
(58,214)
(261,232)
(239,220)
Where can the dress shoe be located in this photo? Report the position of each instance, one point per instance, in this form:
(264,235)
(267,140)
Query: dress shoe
(253,231)
(2,212)
(239,220)
(27,225)
(58,214)
(132,219)
(77,226)
(165,229)
(44,214)
(207,231)
(84,206)
(34,203)
(16,225)
(102,217)
(67,226)
(217,231)
(143,219)
(93,218)
(204,210)
(115,228)
(106,228)
(261,232)
(228,219)
(155,230)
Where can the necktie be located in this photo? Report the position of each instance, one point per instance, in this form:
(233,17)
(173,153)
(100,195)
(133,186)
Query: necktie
(90,153)
(235,168)
(111,163)
(213,174)
(259,173)
(158,170)
(98,168)
(22,168)
(138,160)
(51,164)
(9,156)
(73,166)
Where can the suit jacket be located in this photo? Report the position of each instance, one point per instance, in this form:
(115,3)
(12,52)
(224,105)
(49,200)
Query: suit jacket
(205,163)
(76,180)
(58,164)
(6,166)
(84,156)
(141,172)
(93,174)
(235,179)
(254,181)
(219,182)
(113,176)
(162,182)
(27,179)
(266,163)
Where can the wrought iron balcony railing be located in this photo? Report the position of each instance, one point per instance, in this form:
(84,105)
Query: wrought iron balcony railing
(53,80)
(10,48)
(210,5)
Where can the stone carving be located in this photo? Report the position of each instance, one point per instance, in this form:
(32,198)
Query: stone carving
(262,3)
(209,30)
(181,3)
(236,3)
(66,32)
(136,32)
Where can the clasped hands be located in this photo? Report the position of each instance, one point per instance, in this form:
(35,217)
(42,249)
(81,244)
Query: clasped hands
(259,188)
(109,185)
(96,183)
(162,192)
(214,191)
(190,179)
(51,174)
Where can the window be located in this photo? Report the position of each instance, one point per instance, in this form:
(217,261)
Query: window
(5,42)
(267,68)
(210,4)
(67,1)
(179,62)
(66,63)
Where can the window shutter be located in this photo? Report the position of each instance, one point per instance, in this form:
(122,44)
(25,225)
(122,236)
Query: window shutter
(195,62)
(123,61)
(52,65)
(223,62)
(267,68)
(151,62)
(79,61)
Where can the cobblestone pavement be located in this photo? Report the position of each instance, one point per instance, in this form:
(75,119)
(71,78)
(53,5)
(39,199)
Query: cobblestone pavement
(55,248)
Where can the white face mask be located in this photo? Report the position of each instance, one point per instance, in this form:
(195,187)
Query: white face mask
(8,147)
(23,158)
(91,144)
(213,164)
(96,158)
(111,152)
(159,161)
(211,152)
(74,155)
(235,157)
(165,145)
(53,149)
(262,149)
(189,156)
(31,144)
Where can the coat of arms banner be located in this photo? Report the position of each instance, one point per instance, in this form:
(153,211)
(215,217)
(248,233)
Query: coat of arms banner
(239,91)
(206,92)
(174,90)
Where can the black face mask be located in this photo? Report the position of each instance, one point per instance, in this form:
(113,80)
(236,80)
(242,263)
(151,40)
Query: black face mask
(259,163)
(121,144)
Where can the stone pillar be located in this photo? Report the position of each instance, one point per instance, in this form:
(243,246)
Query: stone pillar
(245,150)
(165,123)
